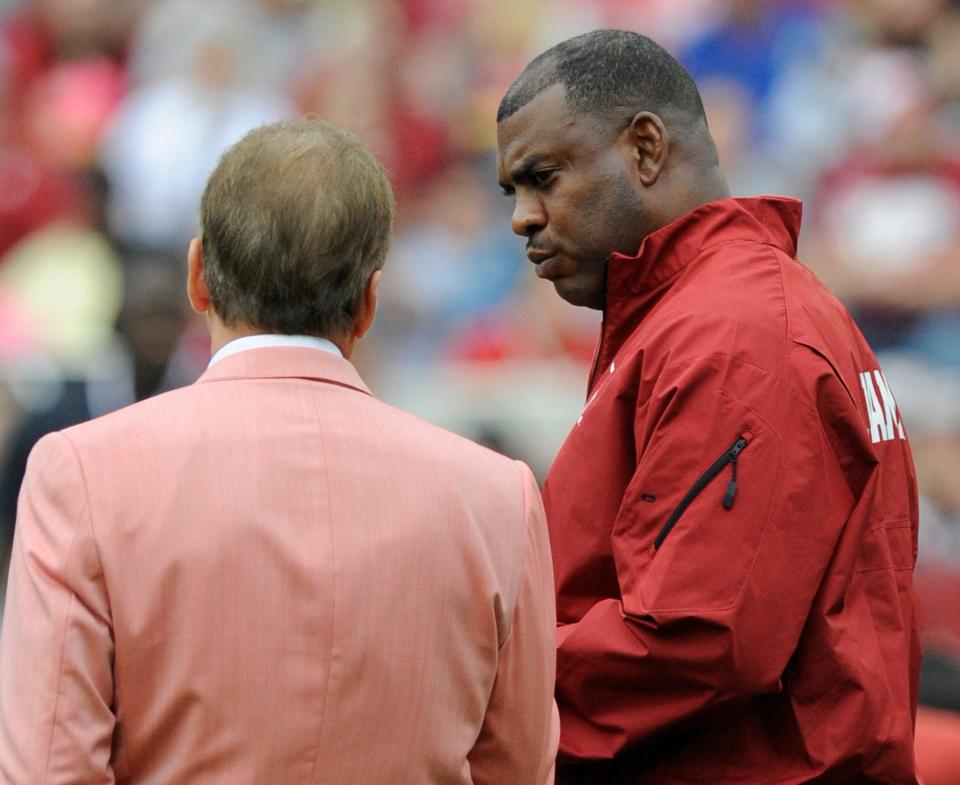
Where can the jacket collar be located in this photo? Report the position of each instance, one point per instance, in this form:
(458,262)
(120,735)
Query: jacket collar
(286,362)
(635,283)
(667,251)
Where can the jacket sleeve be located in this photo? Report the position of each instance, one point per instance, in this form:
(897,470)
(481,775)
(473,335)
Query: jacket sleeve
(56,680)
(518,742)
(710,614)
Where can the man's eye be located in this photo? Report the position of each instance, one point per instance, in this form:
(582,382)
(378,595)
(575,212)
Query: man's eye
(542,177)
(506,190)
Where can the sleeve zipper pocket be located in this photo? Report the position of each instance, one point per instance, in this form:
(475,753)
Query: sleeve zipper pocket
(729,456)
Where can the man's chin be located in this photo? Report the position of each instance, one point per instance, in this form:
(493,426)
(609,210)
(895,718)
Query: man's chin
(576,293)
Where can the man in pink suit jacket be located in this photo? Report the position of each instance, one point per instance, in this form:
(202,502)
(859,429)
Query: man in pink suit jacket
(270,577)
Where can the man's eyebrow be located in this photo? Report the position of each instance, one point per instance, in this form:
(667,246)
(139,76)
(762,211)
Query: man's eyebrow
(522,169)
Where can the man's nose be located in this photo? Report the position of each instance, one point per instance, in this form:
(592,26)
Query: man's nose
(528,215)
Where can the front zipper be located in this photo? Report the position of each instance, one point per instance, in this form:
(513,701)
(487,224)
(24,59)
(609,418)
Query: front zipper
(729,457)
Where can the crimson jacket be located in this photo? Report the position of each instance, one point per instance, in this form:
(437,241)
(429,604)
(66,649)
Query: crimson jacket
(734,525)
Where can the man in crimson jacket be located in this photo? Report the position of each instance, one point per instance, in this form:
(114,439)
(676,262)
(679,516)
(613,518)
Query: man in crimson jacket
(734,514)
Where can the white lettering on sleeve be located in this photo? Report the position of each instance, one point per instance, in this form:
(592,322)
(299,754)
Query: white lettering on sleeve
(884,418)
(891,413)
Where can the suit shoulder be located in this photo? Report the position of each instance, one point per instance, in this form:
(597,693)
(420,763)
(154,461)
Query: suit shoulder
(151,414)
(434,437)
(178,415)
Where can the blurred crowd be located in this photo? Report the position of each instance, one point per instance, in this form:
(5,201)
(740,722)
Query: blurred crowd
(112,114)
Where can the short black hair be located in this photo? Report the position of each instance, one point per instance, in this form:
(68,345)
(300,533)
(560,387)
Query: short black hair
(605,72)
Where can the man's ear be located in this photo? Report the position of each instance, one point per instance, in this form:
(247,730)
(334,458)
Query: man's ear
(649,145)
(368,307)
(197,291)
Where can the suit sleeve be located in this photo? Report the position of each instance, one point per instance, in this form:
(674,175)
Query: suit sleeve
(518,741)
(709,618)
(56,653)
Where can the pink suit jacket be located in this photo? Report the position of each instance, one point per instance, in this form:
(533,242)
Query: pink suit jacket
(272,578)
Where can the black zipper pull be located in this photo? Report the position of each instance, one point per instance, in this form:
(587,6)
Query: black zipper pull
(731,492)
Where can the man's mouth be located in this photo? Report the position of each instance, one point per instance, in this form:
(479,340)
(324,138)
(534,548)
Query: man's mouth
(546,263)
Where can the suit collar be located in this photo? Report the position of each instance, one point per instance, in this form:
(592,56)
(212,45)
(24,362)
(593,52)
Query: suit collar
(286,362)
(262,340)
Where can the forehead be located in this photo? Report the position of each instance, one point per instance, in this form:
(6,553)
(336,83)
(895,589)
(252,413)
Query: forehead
(543,127)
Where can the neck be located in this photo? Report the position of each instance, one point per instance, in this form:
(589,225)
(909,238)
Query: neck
(221,334)
(708,186)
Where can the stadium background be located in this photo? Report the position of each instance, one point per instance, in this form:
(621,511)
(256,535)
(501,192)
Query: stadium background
(113,112)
